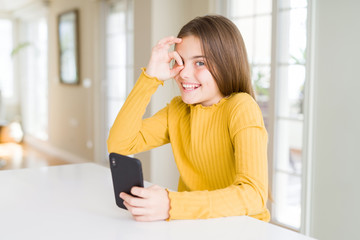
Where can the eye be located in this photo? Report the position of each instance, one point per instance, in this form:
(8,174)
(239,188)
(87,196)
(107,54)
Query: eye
(199,63)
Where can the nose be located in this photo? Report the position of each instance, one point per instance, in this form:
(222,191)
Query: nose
(186,72)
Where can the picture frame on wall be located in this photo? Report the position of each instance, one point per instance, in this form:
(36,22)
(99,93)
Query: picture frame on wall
(68,44)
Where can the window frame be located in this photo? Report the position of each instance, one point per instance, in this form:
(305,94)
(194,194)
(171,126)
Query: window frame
(32,14)
(12,99)
(102,153)
(307,120)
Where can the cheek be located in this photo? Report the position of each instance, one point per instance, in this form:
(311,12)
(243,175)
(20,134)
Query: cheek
(204,76)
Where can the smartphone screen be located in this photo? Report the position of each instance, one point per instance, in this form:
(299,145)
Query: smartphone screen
(126,173)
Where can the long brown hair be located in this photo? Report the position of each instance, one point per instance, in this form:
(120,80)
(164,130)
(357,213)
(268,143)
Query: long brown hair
(224,50)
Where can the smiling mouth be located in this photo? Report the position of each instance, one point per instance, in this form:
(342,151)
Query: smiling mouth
(190,86)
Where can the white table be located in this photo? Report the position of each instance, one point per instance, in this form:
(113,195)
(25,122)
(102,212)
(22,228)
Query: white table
(77,202)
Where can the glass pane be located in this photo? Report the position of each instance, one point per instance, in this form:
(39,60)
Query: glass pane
(263,6)
(116,50)
(116,87)
(246,27)
(291,90)
(130,15)
(116,18)
(286,4)
(261,82)
(261,85)
(241,8)
(119,57)
(36,80)
(287,199)
(298,35)
(42,80)
(262,49)
(6,76)
(292,36)
(289,147)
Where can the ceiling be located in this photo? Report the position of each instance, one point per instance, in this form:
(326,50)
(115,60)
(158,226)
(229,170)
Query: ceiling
(7,6)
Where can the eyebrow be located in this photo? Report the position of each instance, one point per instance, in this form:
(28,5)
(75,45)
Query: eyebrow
(200,56)
(193,57)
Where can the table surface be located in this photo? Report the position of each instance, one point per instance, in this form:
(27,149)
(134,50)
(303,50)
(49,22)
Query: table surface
(77,202)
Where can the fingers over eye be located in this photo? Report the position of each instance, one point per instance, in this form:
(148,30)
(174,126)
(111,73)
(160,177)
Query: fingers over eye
(175,55)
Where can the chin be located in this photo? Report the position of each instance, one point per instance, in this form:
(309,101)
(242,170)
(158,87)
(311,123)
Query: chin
(188,101)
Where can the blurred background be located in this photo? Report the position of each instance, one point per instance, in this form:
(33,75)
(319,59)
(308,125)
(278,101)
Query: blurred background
(67,67)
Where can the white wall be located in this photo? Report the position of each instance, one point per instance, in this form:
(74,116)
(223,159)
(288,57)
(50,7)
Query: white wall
(71,108)
(336,157)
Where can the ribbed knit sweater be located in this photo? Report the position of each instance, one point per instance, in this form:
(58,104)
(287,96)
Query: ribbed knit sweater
(220,151)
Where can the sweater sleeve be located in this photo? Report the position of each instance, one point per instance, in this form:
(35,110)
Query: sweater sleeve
(248,193)
(130,133)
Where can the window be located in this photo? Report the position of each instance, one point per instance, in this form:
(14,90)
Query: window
(118,58)
(275,33)
(253,18)
(6,63)
(289,117)
(34,80)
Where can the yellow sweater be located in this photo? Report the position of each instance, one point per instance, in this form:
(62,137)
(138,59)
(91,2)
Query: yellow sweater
(220,151)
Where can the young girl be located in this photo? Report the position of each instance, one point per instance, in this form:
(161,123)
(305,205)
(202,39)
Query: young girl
(215,128)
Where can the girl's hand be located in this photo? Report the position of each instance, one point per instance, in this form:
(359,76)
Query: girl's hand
(159,64)
(151,204)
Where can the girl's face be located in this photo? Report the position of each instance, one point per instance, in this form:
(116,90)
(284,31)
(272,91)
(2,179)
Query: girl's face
(196,84)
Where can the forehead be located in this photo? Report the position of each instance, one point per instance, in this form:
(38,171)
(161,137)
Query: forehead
(190,46)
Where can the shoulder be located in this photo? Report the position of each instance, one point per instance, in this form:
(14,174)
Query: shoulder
(243,111)
(239,102)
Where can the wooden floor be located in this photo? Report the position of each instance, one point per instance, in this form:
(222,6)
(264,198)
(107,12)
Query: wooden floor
(16,156)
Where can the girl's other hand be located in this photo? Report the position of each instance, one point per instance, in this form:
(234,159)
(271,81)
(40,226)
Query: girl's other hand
(150,204)
(159,64)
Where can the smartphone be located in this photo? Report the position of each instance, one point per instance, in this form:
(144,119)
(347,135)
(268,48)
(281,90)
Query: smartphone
(126,173)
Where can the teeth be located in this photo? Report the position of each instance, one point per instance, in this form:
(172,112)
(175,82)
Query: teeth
(190,86)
